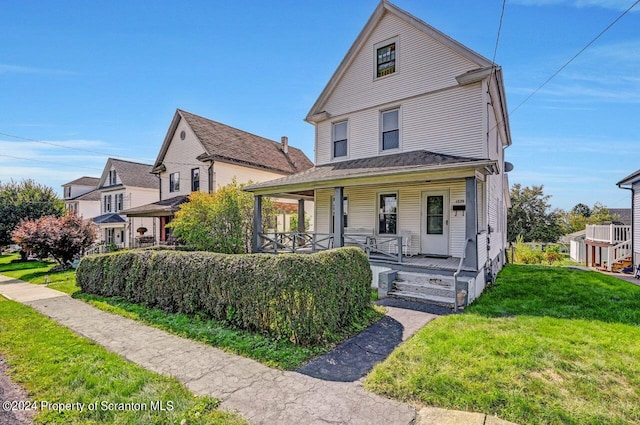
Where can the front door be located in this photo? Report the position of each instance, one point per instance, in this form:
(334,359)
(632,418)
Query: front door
(434,230)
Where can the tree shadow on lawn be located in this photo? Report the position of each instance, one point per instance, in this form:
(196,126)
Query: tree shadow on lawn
(522,290)
(23,265)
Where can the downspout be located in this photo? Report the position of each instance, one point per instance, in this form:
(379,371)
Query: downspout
(210,177)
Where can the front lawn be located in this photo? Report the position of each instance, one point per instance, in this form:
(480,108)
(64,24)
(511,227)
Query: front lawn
(545,345)
(281,354)
(56,366)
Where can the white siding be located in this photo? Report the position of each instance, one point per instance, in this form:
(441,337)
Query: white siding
(362,205)
(79,190)
(181,157)
(422,65)
(225,173)
(636,223)
(447,122)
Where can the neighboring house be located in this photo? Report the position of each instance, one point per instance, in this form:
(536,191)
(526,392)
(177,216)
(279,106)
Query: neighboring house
(632,183)
(607,246)
(124,185)
(199,154)
(576,240)
(81,197)
(410,138)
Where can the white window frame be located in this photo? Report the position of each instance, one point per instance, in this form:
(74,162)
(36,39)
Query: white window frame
(333,139)
(380,45)
(381,129)
(397,213)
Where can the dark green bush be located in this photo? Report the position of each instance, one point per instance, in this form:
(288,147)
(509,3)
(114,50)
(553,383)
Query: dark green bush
(304,298)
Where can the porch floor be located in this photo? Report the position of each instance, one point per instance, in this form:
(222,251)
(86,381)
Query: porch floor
(426,262)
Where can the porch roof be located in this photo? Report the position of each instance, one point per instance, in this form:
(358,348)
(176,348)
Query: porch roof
(406,163)
(109,218)
(162,208)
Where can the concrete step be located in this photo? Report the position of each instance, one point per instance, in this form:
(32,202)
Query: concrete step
(425,288)
(430,299)
(430,279)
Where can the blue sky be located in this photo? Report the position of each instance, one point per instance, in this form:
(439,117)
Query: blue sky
(107,76)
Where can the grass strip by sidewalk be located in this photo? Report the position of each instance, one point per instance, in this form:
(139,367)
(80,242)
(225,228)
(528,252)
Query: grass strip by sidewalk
(281,354)
(55,365)
(544,346)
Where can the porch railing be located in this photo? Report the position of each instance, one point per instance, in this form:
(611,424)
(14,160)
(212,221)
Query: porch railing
(610,233)
(379,247)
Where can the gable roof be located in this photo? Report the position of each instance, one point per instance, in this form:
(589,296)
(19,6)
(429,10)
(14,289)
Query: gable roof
(224,143)
(383,8)
(84,181)
(630,179)
(92,195)
(132,174)
(623,214)
(399,163)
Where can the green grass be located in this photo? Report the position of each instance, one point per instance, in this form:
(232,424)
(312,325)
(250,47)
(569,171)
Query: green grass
(281,354)
(55,365)
(545,345)
(37,272)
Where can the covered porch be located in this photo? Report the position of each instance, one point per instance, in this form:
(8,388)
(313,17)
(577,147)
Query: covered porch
(158,215)
(608,247)
(415,208)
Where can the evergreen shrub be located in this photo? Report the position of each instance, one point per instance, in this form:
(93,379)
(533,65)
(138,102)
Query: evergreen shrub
(304,298)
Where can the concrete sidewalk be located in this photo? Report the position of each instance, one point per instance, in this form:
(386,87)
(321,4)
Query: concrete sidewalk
(260,394)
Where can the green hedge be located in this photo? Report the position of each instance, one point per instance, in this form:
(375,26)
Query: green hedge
(304,298)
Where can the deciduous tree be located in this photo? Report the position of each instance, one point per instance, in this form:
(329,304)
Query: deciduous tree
(26,200)
(61,238)
(221,221)
(531,216)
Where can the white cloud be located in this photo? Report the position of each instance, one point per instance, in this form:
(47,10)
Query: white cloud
(19,69)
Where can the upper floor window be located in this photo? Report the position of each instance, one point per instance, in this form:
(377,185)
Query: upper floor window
(112,177)
(385,60)
(195,179)
(107,203)
(174,182)
(339,139)
(67,192)
(390,130)
(119,202)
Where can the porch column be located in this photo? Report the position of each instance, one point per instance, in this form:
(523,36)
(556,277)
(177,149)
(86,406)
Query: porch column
(471,221)
(301,223)
(257,223)
(338,217)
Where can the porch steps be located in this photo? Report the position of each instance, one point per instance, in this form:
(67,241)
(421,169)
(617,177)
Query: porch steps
(621,264)
(427,287)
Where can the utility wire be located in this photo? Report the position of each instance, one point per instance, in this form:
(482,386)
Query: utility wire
(574,57)
(49,162)
(495,49)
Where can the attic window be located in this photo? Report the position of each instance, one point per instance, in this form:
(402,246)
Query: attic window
(386,60)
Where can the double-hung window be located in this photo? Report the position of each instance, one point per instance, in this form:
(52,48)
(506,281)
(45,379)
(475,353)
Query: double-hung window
(174,182)
(388,214)
(107,203)
(195,179)
(390,129)
(340,138)
(119,202)
(112,177)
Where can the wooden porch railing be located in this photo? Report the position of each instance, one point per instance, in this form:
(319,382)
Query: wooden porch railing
(380,247)
(610,233)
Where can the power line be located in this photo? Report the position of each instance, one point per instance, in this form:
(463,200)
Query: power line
(495,49)
(574,57)
(105,154)
(48,162)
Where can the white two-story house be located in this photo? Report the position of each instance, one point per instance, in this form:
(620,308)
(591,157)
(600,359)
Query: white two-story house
(81,197)
(124,185)
(199,154)
(410,137)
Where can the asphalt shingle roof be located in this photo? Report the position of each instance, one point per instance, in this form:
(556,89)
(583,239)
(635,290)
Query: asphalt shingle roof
(231,144)
(135,174)
(366,166)
(84,181)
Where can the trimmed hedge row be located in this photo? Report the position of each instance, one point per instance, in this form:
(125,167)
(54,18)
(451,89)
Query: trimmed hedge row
(304,298)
